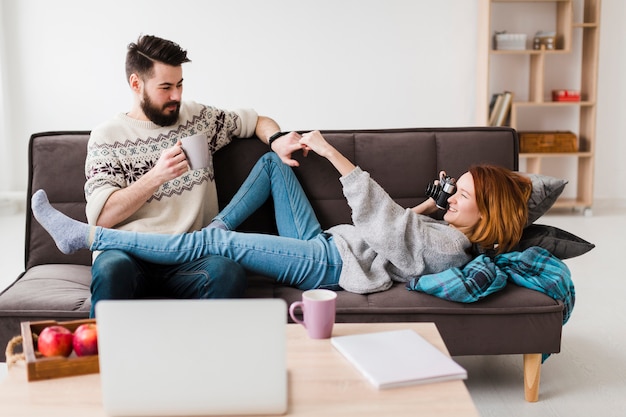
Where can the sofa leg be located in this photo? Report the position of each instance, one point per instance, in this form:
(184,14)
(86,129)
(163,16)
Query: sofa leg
(532,374)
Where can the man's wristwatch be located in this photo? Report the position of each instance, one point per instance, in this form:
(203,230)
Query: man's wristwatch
(274,137)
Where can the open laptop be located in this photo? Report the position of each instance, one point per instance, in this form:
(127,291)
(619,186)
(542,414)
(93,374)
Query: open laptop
(192,357)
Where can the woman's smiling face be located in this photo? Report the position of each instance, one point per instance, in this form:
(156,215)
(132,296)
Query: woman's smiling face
(463,211)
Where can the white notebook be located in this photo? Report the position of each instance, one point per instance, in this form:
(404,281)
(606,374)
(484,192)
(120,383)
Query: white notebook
(397,358)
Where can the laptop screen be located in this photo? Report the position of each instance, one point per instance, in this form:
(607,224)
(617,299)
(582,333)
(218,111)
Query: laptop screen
(192,357)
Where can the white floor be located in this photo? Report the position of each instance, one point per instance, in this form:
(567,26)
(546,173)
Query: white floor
(588,378)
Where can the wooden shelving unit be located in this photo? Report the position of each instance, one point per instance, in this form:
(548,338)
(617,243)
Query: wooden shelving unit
(578,40)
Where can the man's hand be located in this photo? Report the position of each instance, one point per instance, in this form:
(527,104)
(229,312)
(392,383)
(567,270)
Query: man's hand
(171,164)
(124,202)
(286,145)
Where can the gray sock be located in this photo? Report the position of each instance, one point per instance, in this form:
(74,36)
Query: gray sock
(68,234)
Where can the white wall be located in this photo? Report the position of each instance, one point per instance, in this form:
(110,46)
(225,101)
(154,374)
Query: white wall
(308,64)
(610,178)
(6,150)
(314,64)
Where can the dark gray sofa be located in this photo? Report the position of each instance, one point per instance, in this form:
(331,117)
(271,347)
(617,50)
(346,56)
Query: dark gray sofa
(513,321)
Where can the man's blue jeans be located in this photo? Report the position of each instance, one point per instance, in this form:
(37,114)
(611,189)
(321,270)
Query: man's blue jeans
(303,256)
(119,275)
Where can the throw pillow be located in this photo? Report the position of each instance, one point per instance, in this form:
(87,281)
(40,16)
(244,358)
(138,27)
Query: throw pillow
(545,192)
(560,243)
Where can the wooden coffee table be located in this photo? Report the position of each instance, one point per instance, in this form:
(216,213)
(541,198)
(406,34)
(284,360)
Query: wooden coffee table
(321,383)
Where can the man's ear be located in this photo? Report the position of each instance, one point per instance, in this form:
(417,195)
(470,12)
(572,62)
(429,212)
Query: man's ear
(135,82)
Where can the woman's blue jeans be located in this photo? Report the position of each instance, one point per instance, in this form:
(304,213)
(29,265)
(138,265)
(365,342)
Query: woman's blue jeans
(302,256)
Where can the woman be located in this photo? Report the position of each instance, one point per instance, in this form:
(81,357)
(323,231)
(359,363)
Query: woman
(386,242)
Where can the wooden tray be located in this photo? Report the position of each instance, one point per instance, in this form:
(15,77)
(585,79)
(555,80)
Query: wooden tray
(39,367)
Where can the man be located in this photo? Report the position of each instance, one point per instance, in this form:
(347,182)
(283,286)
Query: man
(138,178)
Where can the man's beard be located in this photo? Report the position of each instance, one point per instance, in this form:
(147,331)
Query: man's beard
(158,115)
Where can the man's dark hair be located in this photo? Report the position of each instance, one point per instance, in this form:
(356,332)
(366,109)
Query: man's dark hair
(141,55)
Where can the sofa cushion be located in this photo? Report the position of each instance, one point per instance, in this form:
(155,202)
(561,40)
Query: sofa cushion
(49,289)
(46,292)
(57,165)
(546,190)
(562,244)
(463,326)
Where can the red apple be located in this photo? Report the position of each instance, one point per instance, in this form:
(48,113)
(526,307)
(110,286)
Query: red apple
(55,341)
(86,339)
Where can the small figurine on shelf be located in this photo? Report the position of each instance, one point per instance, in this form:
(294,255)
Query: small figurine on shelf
(545,39)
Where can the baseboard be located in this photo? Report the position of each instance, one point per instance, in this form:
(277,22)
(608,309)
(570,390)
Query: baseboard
(605,203)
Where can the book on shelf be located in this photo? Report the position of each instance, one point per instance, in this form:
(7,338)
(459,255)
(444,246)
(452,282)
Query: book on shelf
(397,358)
(501,109)
(496,101)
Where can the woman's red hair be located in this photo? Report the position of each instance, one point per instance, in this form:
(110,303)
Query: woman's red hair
(502,198)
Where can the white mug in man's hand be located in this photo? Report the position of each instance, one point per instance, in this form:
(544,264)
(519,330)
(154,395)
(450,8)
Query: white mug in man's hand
(196,148)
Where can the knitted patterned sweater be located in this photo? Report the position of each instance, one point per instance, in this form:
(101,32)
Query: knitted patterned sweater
(121,150)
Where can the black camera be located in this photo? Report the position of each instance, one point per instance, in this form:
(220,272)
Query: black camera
(442,191)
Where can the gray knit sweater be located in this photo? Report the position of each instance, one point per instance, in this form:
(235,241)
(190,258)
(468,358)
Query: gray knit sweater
(389,243)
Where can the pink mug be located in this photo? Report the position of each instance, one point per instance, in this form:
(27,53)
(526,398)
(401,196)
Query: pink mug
(318,312)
